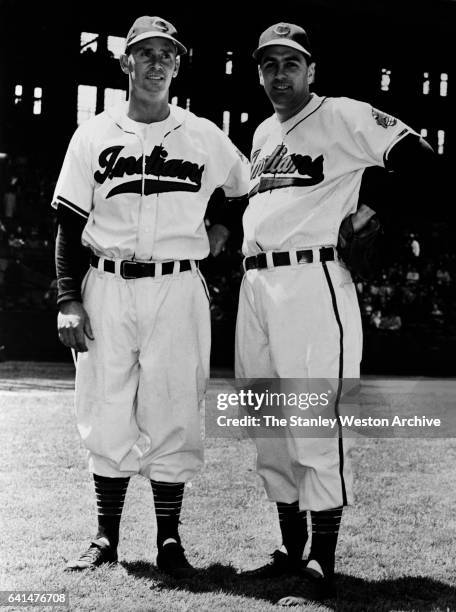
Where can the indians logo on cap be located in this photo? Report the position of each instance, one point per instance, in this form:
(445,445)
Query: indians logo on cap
(282,30)
(160,25)
(383,119)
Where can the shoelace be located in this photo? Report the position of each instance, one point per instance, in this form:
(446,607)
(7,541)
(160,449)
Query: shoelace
(91,554)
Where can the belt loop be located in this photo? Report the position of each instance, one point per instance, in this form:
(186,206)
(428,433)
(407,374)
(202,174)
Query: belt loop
(100,265)
(176,267)
(269,260)
(158,268)
(117,267)
(315,254)
(194,266)
(293,257)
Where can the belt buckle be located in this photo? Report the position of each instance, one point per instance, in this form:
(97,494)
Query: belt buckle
(305,256)
(123,272)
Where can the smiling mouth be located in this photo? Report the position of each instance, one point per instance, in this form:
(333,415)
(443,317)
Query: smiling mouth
(281,87)
(155,77)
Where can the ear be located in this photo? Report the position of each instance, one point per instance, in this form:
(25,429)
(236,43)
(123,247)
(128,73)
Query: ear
(260,76)
(311,73)
(124,63)
(176,68)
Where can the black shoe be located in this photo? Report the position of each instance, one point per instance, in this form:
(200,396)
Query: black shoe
(313,587)
(97,554)
(280,565)
(171,560)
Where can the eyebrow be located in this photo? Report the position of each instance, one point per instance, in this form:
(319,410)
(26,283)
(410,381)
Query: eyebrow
(293,56)
(165,47)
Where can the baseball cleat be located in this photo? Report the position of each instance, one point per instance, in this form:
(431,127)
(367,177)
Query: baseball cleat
(172,561)
(97,554)
(280,565)
(313,587)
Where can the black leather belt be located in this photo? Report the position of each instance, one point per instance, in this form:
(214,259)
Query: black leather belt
(139,269)
(282,258)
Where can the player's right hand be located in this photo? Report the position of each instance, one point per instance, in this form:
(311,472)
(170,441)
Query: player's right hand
(73,325)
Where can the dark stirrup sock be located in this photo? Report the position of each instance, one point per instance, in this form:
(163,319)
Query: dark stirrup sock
(110,494)
(168,503)
(325,529)
(293,525)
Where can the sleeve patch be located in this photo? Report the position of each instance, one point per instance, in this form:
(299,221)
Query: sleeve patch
(383,119)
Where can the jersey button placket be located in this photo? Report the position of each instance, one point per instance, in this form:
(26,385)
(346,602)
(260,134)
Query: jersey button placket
(137,254)
(157,200)
(144,248)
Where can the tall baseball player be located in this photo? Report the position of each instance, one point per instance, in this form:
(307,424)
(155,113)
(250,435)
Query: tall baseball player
(135,184)
(298,310)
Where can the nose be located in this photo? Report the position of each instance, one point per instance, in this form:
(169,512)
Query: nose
(280,72)
(154,61)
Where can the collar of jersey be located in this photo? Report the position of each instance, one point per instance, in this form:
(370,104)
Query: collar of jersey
(314,103)
(119,115)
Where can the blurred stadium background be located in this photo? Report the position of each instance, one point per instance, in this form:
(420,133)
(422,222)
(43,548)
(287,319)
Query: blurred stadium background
(59,66)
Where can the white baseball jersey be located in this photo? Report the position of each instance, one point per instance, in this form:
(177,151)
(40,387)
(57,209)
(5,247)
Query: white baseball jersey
(306,172)
(144,188)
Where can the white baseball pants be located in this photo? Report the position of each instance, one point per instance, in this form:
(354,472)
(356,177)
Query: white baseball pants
(301,321)
(140,386)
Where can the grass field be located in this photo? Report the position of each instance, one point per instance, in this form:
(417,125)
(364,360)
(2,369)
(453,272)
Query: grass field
(397,549)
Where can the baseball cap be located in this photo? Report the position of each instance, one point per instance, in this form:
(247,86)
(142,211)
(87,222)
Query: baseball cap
(285,34)
(153,27)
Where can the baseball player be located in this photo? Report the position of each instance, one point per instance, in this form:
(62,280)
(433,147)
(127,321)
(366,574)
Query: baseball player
(134,184)
(298,310)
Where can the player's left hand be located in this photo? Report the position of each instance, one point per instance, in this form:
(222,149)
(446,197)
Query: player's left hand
(218,235)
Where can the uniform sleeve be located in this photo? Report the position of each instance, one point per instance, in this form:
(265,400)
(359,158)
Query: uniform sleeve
(231,167)
(370,133)
(74,188)
(71,257)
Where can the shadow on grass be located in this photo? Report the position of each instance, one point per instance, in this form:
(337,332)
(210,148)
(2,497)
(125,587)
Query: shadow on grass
(419,594)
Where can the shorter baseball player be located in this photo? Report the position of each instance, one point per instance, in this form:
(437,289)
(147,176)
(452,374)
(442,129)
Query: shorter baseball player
(134,188)
(298,310)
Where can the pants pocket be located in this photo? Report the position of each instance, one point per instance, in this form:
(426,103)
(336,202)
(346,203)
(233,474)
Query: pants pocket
(205,287)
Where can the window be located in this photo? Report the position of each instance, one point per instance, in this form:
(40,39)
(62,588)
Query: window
(112,97)
(386,79)
(88,41)
(116,44)
(175,100)
(426,84)
(226,122)
(424,132)
(244,117)
(18,94)
(37,95)
(187,104)
(190,55)
(444,84)
(87,102)
(229,62)
(440,141)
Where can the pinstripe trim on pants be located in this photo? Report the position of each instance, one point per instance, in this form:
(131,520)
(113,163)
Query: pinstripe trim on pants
(340,376)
